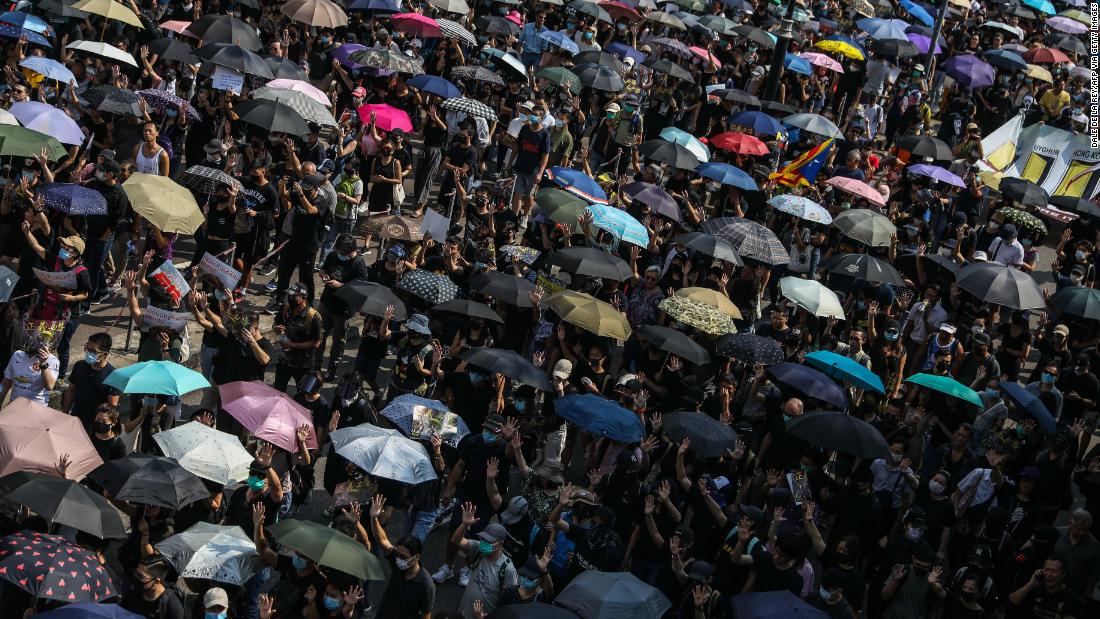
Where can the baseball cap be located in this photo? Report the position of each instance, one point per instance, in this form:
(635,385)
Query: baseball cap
(980,256)
(754,514)
(982,338)
(970,126)
(107,153)
(531,569)
(613,108)
(563,368)
(1063,330)
(493,423)
(314,180)
(110,165)
(297,289)
(359,92)
(75,242)
(516,510)
(327,166)
(1008,231)
(700,571)
(215,597)
(396,250)
(495,532)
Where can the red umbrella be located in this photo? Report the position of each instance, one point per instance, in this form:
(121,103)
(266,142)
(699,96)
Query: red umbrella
(417,25)
(741,143)
(50,567)
(1045,55)
(707,56)
(386,117)
(620,10)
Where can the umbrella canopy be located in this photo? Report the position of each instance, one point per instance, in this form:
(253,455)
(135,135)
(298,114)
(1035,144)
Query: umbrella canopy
(671,153)
(663,65)
(751,349)
(812,296)
(503,287)
(1001,285)
(472,309)
(33,438)
(759,122)
(813,123)
(937,173)
(212,552)
(402,410)
(740,143)
(383,58)
(478,74)
(713,298)
(675,342)
(435,85)
(577,183)
(711,246)
(214,28)
(274,116)
(797,64)
(163,482)
(434,288)
(328,547)
(883,28)
(234,57)
(48,120)
(205,180)
(688,141)
(156,377)
(1031,404)
(773,605)
(65,502)
(172,49)
(756,35)
(8,279)
(947,386)
(112,474)
(384,453)
(821,60)
(60,571)
(600,416)
(1077,301)
(470,107)
(455,30)
(839,432)
(749,239)
(318,13)
(166,204)
(845,369)
(926,146)
(161,100)
(386,117)
(590,261)
(842,45)
(1062,23)
(810,382)
(73,199)
(560,77)
(619,224)
(858,189)
(801,207)
(48,67)
(88,610)
(103,50)
(589,313)
(866,226)
(509,363)
(109,9)
(654,197)
(1045,55)
(206,452)
(667,19)
(1023,191)
(970,71)
(864,267)
(698,315)
(300,86)
(121,103)
(709,437)
(497,25)
(459,7)
(559,39)
(1005,59)
(599,77)
(371,299)
(608,595)
(727,174)
(16,141)
(416,25)
(268,414)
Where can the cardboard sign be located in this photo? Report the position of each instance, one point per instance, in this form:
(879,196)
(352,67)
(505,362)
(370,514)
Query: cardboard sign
(159,317)
(228,79)
(226,275)
(170,280)
(57,279)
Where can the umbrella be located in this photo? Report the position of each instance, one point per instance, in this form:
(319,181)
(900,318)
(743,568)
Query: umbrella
(1062,23)
(935,266)
(559,39)
(1026,222)
(866,226)
(667,19)
(675,342)
(918,12)
(864,267)
(403,408)
(740,143)
(161,100)
(561,78)
(719,24)
(317,13)
(591,9)
(432,287)
(590,261)
(588,313)
(756,35)
(510,364)
(7,119)
(1041,5)
(50,567)
(619,224)
(610,595)
(88,610)
(26,21)
(797,64)
(922,43)
(600,416)
(970,71)
(711,246)
(497,25)
(883,28)
(622,50)
(459,7)
(821,60)
(894,48)
(384,453)
(599,77)
(1076,15)
(1045,55)
(270,415)
(212,552)
(801,207)
(156,377)
(163,482)
(947,386)
(561,206)
(705,56)
(473,309)
(1031,404)
(300,86)
(33,438)
(713,298)
(213,28)
(433,84)
(810,382)
(503,287)
(673,45)
(371,299)
(177,26)
(749,239)
(759,122)
(858,189)
(172,49)
(8,279)
(505,60)
(937,173)
(383,58)
(688,141)
(838,44)
(710,438)
(577,183)
(698,315)
(65,502)
(1069,44)
(62,8)
(455,30)
(109,9)
(386,117)
(845,369)
(103,50)
(470,107)
(342,53)
(812,296)
(727,174)
(751,349)
(202,179)
(736,95)
(306,106)
(654,197)
(1001,285)
(48,120)
(234,57)
(327,546)
(926,146)
(73,199)
(1077,301)
(112,474)
(121,103)
(417,25)
(996,25)
(813,123)
(206,452)
(839,432)
(273,116)
(1023,191)
(477,73)
(773,605)
(16,141)
(1005,59)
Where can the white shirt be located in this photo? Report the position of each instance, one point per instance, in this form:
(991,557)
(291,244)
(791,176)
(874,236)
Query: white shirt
(920,330)
(1010,254)
(25,381)
(981,483)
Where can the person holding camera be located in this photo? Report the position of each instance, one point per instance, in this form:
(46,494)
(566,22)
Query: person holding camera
(302,226)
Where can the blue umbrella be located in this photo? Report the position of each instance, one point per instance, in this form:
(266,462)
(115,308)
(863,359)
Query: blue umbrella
(13,32)
(600,416)
(883,28)
(156,377)
(577,183)
(1031,404)
(73,199)
(620,224)
(1005,59)
(811,382)
(52,69)
(560,39)
(758,122)
(688,141)
(401,409)
(26,21)
(435,85)
(89,610)
(773,605)
(1041,5)
(844,368)
(622,50)
(919,12)
(727,175)
(375,6)
(798,64)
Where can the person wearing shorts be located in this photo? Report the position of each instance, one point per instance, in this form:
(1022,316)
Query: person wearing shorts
(529,160)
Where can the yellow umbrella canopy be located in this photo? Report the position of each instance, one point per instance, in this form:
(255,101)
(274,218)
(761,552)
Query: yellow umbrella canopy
(588,313)
(319,13)
(713,298)
(164,202)
(1034,71)
(109,9)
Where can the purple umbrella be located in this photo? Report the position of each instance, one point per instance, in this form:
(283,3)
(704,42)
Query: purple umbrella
(922,42)
(971,71)
(937,173)
(672,45)
(624,51)
(161,100)
(341,53)
(654,197)
(73,199)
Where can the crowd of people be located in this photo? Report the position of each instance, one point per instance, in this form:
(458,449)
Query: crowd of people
(689,310)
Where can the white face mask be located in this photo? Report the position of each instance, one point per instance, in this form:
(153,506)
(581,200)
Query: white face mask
(935,488)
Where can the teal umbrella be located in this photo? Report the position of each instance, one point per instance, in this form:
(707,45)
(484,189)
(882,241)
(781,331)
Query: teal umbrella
(947,386)
(619,224)
(688,141)
(843,368)
(156,377)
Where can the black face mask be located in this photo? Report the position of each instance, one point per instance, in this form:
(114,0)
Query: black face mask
(101,427)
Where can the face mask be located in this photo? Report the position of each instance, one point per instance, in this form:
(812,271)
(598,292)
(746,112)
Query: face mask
(588,36)
(787,418)
(476,378)
(520,405)
(1021,431)
(91,358)
(1025,242)
(170,113)
(935,487)
(28,175)
(1080,255)
(1048,378)
(342,257)
(896,457)
(920,571)
(528,583)
(485,548)
(256,483)
(298,562)
(968,596)
(860,305)
(570,26)
(533,119)
(620,26)
(64,254)
(324,41)
(503,10)
(1075,280)
(990,393)
(891,336)
(101,427)
(913,534)
(824,593)
(976,329)
(806,468)
(213,615)
(489,437)
(993,226)
(332,603)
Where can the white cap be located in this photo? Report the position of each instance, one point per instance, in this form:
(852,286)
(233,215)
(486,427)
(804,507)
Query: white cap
(563,368)
(948,328)
(980,256)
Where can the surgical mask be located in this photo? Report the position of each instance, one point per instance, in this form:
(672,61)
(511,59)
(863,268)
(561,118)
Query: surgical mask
(1080,255)
(990,393)
(503,10)
(342,257)
(520,405)
(324,41)
(896,457)
(476,378)
(620,26)
(402,564)
(860,305)
(489,437)
(28,175)
(256,483)
(298,562)
(101,427)
(1025,242)
(170,113)
(570,26)
(976,329)
(935,487)
(213,615)
(528,583)
(993,226)
(91,358)
(891,336)
(787,418)
(485,548)
(533,119)
(588,36)
(824,593)
(1021,431)
(1048,378)
(64,254)
(913,534)
(332,603)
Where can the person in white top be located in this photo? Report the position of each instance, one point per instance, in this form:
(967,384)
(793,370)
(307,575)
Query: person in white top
(31,373)
(150,157)
(924,319)
(1007,249)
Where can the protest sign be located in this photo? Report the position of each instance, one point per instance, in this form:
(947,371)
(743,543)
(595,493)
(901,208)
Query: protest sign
(226,275)
(228,79)
(169,279)
(57,279)
(158,317)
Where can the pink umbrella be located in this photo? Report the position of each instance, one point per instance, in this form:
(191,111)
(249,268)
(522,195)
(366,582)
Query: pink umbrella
(417,25)
(706,55)
(34,437)
(179,27)
(620,10)
(305,88)
(857,188)
(821,60)
(271,415)
(386,117)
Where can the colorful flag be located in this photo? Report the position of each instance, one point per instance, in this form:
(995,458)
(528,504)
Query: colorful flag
(803,170)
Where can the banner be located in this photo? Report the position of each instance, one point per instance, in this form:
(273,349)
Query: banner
(226,275)
(57,279)
(158,317)
(428,422)
(170,280)
(1061,162)
(229,79)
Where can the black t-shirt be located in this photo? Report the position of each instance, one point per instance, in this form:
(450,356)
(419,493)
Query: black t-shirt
(770,578)
(474,451)
(1043,604)
(90,390)
(290,590)
(342,271)
(407,598)
(239,509)
(235,361)
(458,157)
(320,410)
(303,232)
(110,449)
(117,203)
(531,145)
(167,606)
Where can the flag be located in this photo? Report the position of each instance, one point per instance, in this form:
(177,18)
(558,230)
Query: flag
(803,170)
(999,147)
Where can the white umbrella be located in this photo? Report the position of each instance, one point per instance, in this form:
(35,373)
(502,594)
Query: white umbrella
(6,118)
(206,452)
(212,552)
(812,297)
(384,453)
(305,88)
(103,50)
(47,119)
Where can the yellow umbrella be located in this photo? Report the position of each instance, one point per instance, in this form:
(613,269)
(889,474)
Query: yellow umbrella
(111,10)
(164,202)
(713,298)
(1039,73)
(589,313)
(840,47)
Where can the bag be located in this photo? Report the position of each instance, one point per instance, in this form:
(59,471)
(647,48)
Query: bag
(398,194)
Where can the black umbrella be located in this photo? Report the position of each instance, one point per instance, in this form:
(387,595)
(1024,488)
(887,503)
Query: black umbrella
(510,364)
(497,25)
(371,299)
(165,483)
(710,438)
(671,153)
(63,501)
(284,68)
(588,261)
(96,94)
(225,29)
(473,309)
(751,349)
(599,77)
(901,48)
(50,567)
(926,146)
(839,432)
(112,474)
(1024,192)
(1069,43)
(607,59)
(478,73)
(122,103)
(865,267)
(272,116)
(1077,301)
(584,7)
(1001,285)
(736,95)
(675,342)
(662,65)
(935,266)
(1077,205)
(711,246)
(172,49)
(756,35)
(503,287)
(234,57)
(777,107)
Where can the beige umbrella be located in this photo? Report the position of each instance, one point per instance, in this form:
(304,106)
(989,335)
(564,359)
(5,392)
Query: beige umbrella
(164,202)
(34,437)
(713,298)
(589,313)
(452,6)
(319,13)
(395,228)
(111,10)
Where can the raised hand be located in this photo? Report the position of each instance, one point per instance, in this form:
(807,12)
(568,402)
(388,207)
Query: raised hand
(492,468)
(267,606)
(353,595)
(334,422)
(469,514)
(377,504)
(650,505)
(303,433)
(685,445)
(934,575)
(62,465)
(674,545)
(206,419)
(258,511)
(649,443)
(264,454)
(699,596)
(566,494)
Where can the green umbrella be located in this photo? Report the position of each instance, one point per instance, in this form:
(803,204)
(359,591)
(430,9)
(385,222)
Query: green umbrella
(16,141)
(328,547)
(562,78)
(1077,301)
(948,386)
(866,226)
(691,6)
(561,206)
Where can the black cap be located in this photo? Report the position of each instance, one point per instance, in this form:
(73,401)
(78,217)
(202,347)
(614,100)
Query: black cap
(110,165)
(314,180)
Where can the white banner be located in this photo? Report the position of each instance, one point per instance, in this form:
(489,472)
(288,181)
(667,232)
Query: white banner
(228,79)
(57,279)
(226,275)
(157,317)
(1059,161)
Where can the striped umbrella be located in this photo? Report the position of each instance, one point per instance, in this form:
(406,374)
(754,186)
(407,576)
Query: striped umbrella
(470,107)
(201,179)
(455,30)
(749,239)
(300,102)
